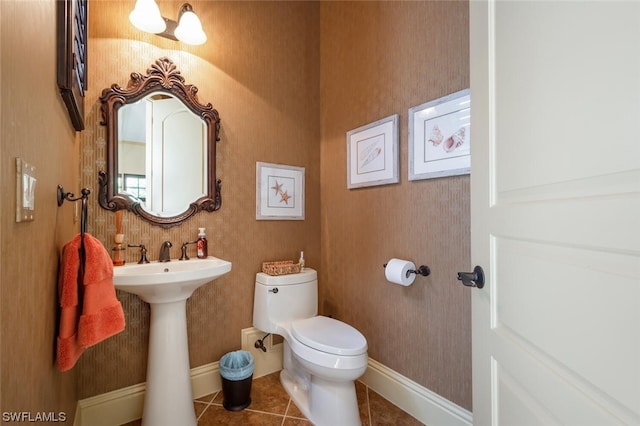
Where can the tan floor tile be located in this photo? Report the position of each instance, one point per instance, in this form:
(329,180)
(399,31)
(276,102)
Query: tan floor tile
(363,403)
(216,415)
(267,394)
(288,421)
(200,407)
(207,398)
(385,413)
(271,405)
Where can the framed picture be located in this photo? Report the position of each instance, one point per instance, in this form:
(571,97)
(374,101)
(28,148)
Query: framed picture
(279,192)
(71,32)
(372,154)
(439,137)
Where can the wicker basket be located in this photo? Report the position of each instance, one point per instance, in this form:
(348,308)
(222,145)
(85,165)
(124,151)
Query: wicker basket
(282,267)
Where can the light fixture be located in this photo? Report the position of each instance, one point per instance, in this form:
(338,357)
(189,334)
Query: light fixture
(189,28)
(146,17)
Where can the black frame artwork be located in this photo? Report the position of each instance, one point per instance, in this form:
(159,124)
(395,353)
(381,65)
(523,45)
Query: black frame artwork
(72,21)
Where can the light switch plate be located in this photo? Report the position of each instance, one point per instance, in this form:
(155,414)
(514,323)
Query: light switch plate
(25,191)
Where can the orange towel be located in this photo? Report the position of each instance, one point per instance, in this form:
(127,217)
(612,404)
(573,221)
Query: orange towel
(90,310)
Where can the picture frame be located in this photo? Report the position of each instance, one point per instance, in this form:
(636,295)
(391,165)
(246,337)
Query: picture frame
(71,69)
(439,137)
(279,192)
(372,154)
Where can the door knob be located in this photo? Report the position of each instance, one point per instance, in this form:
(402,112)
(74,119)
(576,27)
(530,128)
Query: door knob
(472,279)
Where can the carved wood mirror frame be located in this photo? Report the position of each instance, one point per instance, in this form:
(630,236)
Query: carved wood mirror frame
(162,77)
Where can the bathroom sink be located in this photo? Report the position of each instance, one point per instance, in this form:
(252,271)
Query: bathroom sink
(161,282)
(166,286)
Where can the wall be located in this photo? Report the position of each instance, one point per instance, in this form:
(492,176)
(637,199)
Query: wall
(34,125)
(260,70)
(378,59)
(265,68)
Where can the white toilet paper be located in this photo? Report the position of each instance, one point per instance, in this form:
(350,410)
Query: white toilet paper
(396,272)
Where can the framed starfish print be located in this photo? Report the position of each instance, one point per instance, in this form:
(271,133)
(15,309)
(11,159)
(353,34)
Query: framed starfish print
(279,192)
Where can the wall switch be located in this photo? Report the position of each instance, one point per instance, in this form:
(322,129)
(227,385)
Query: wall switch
(25,191)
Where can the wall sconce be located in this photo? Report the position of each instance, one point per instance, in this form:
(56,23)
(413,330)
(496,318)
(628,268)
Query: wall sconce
(188,29)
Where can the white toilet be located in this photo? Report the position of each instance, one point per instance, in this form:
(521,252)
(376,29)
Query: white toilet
(322,356)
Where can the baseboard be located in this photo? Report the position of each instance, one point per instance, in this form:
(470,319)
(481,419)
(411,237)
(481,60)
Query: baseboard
(111,408)
(125,405)
(265,362)
(418,401)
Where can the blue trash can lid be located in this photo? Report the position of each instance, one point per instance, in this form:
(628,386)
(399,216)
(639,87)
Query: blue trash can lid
(236,365)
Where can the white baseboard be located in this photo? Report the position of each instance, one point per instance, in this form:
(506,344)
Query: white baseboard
(418,401)
(125,405)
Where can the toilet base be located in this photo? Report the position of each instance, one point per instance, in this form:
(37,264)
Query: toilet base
(324,402)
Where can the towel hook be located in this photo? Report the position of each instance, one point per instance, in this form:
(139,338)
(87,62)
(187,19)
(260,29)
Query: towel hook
(70,196)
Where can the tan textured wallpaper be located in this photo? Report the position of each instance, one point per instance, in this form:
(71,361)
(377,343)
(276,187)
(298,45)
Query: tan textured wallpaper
(34,126)
(260,70)
(378,59)
(289,80)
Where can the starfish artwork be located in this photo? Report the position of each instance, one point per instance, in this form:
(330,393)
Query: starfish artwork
(277,187)
(279,192)
(284,197)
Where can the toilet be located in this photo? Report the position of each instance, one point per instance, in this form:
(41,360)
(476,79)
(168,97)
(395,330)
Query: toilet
(322,356)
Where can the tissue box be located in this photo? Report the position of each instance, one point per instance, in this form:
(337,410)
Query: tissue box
(282,267)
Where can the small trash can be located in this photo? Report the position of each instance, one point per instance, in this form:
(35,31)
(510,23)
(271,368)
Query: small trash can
(236,371)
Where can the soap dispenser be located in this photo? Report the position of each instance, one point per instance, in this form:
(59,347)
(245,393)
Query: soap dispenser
(202,244)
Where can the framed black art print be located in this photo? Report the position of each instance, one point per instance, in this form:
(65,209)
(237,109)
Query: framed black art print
(71,33)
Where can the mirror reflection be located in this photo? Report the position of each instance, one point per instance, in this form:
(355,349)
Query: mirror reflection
(162,158)
(161,148)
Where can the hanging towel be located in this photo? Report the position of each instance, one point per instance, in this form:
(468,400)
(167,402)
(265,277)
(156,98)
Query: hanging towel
(90,311)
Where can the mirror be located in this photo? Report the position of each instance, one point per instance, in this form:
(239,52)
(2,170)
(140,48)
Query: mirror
(161,153)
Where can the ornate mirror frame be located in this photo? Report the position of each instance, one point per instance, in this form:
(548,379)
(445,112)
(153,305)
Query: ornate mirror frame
(162,77)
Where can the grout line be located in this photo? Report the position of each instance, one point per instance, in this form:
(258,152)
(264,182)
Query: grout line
(218,404)
(206,404)
(286,412)
(368,405)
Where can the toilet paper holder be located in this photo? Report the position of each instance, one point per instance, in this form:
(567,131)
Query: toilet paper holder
(422,270)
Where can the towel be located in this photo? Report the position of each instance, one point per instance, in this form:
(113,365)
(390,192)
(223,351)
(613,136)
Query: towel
(90,311)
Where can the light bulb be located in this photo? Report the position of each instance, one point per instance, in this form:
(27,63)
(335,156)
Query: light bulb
(146,17)
(189,29)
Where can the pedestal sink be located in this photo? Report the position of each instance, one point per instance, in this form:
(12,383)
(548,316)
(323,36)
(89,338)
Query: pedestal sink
(166,287)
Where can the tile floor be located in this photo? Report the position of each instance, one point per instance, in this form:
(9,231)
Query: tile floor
(270,405)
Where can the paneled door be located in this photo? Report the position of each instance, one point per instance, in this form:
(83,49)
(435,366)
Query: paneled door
(555,217)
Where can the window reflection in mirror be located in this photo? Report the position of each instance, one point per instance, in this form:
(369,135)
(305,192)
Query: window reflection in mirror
(162,159)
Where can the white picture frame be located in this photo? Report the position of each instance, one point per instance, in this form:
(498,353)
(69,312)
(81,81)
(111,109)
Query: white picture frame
(372,154)
(439,137)
(279,192)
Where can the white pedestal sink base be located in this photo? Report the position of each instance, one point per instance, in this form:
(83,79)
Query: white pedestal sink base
(168,397)
(166,286)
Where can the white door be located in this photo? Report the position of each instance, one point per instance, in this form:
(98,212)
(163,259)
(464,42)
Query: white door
(555,218)
(179,161)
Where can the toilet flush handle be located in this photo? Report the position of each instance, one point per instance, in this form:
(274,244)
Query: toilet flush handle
(274,290)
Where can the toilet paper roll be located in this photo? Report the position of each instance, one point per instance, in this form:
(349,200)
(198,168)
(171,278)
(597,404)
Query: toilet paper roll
(397,272)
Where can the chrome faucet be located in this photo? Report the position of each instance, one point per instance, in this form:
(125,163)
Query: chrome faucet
(165,255)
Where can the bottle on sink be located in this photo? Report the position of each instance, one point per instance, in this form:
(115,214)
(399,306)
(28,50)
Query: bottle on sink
(202,244)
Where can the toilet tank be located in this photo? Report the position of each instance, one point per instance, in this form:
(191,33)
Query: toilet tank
(283,298)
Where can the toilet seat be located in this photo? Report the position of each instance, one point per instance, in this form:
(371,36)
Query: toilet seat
(329,335)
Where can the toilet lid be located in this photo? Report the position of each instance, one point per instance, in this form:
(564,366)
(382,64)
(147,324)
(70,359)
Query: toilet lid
(329,335)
